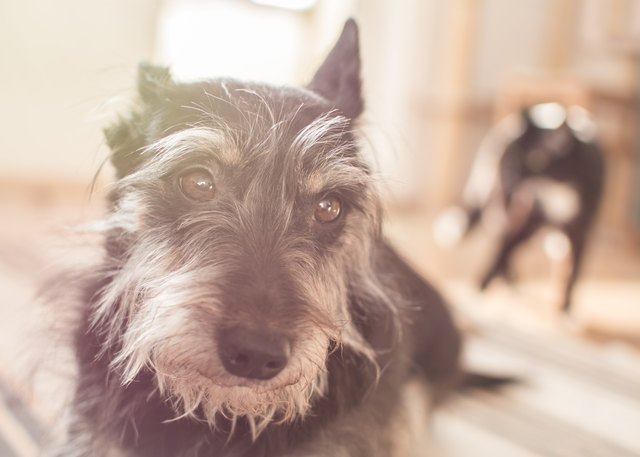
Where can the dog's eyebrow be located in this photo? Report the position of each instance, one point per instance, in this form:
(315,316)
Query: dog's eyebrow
(172,148)
(326,131)
(323,147)
(341,176)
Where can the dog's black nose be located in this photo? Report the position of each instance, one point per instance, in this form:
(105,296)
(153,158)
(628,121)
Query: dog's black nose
(251,354)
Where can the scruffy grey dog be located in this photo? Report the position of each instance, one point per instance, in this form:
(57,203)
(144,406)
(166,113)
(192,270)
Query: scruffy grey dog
(247,304)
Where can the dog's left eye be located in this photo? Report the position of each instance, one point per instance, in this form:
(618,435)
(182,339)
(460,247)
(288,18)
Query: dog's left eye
(328,209)
(197,185)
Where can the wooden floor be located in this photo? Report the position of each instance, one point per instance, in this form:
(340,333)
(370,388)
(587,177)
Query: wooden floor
(579,395)
(575,400)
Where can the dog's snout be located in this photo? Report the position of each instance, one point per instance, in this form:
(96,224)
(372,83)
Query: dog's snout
(252,354)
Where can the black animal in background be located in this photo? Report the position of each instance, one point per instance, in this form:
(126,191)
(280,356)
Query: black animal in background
(539,168)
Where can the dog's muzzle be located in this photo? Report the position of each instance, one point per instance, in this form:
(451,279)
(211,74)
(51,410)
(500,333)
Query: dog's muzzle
(253,354)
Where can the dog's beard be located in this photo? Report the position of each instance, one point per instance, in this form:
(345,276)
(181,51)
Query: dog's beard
(166,327)
(199,387)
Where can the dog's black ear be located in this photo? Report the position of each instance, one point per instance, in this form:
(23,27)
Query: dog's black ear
(127,136)
(338,78)
(153,82)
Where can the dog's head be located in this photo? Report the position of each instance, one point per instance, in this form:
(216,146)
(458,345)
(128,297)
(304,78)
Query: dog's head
(242,216)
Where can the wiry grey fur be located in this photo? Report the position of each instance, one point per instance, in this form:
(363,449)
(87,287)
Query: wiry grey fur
(363,327)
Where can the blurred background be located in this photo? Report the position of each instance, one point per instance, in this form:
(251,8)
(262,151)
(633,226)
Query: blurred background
(437,75)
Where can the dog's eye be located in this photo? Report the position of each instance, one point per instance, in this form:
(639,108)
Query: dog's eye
(328,209)
(197,185)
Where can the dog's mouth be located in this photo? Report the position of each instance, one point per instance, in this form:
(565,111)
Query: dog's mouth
(256,385)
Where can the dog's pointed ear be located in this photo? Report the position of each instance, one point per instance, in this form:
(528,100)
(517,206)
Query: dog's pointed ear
(338,78)
(127,135)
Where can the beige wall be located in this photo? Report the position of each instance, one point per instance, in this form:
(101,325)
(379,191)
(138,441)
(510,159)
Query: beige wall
(59,62)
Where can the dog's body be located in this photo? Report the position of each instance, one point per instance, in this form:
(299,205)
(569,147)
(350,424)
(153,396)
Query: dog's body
(538,168)
(247,304)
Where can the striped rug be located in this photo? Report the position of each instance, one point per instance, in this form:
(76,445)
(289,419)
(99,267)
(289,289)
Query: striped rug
(575,399)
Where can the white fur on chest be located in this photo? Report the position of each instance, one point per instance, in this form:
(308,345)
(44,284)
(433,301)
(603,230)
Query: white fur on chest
(560,202)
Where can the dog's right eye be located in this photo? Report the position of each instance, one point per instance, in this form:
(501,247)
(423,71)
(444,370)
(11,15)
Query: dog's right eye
(328,209)
(197,185)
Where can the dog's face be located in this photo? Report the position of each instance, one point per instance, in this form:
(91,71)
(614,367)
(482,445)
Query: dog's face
(241,215)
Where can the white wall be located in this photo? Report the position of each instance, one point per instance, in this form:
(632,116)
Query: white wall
(399,45)
(59,62)
(203,39)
